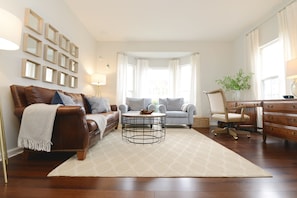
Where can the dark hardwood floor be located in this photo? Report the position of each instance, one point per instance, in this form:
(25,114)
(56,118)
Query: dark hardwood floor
(27,178)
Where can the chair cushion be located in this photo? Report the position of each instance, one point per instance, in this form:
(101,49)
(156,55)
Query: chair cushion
(176,114)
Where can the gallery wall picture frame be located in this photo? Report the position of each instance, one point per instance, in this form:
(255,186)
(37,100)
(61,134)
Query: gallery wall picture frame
(50,54)
(30,69)
(73,81)
(49,74)
(63,60)
(74,50)
(64,43)
(51,34)
(62,78)
(73,65)
(33,21)
(32,45)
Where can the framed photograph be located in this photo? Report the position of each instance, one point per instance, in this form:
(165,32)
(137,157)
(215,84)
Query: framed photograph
(62,78)
(64,43)
(30,69)
(63,60)
(73,65)
(33,21)
(72,81)
(50,54)
(51,34)
(49,74)
(73,50)
(32,45)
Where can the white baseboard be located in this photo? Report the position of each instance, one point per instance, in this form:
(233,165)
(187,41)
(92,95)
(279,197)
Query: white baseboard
(13,152)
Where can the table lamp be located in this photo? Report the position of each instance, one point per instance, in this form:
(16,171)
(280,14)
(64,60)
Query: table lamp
(98,80)
(291,73)
(10,38)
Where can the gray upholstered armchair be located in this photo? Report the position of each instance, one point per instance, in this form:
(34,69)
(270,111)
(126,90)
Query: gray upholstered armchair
(136,104)
(177,112)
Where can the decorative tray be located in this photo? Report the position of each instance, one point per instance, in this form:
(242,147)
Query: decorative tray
(146,112)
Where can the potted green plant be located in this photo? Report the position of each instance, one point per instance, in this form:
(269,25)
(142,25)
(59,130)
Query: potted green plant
(236,83)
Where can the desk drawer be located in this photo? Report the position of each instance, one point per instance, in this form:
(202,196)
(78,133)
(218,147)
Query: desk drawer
(284,106)
(279,118)
(280,131)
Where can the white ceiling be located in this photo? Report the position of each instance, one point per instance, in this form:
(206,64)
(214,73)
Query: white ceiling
(171,20)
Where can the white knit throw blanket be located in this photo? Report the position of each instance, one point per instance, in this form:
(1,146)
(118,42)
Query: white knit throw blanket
(100,120)
(37,126)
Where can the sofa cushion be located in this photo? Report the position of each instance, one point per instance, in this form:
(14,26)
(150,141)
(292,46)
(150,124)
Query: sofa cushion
(174,104)
(60,98)
(39,95)
(176,114)
(99,105)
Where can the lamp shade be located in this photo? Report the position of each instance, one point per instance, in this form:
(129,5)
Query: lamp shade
(291,71)
(98,79)
(10,31)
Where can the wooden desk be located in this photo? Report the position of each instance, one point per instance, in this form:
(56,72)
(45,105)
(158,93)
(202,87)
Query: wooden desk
(280,119)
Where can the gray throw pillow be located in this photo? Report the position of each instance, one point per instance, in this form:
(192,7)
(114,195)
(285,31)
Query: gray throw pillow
(99,105)
(60,98)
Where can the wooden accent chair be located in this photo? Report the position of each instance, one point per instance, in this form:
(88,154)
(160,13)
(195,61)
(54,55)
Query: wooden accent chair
(220,112)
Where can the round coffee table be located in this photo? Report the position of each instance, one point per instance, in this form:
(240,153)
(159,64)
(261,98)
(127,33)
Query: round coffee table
(144,128)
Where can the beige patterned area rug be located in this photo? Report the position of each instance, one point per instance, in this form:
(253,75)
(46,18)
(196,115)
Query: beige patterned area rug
(184,153)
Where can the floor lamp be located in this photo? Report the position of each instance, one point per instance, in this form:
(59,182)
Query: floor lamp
(10,38)
(98,80)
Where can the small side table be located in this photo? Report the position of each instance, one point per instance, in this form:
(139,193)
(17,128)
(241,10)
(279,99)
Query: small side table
(200,122)
(3,148)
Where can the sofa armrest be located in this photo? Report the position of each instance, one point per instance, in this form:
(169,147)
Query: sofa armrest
(71,131)
(162,108)
(123,108)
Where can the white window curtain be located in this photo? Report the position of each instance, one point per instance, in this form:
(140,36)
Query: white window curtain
(287,19)
(141,77)
(175,89)
(174,70)
(122,63)
(253,62)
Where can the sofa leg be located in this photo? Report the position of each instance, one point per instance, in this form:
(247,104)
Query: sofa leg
(81,155)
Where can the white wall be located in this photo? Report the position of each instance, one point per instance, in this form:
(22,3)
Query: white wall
(58,15)
(216,61)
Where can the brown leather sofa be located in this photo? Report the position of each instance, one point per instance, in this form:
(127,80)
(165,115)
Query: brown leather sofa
(71,131)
